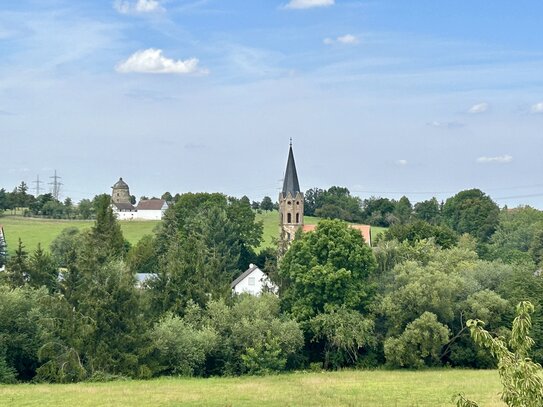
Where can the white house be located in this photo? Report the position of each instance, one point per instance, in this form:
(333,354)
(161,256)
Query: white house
(253,281)
(124,211)
(151,209)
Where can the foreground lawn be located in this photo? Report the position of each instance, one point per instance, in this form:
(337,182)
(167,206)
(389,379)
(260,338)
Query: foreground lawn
(33,231)
(352,388)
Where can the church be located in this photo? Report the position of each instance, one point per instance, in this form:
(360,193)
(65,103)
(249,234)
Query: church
(291,207)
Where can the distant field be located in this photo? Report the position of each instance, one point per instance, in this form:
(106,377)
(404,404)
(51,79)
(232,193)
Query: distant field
(432,388)
(33,231)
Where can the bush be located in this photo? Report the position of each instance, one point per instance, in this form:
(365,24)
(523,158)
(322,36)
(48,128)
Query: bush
(419,345)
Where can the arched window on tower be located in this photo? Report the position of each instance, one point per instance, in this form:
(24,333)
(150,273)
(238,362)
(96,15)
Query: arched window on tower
(297,217)
(289,217)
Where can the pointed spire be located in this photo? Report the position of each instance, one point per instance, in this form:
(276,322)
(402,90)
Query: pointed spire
(290,183)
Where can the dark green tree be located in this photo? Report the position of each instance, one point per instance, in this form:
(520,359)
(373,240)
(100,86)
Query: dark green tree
(473,212)
(428,211)
(85,209)
(42,270)
(403,210)
(266,204)
(419,230)
(378,211)
(17,269)
(312,201)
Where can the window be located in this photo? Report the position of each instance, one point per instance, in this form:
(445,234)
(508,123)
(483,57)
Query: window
(297,202)
(288,203)
(251,281)
(297,218)
(289,217)
(288,237)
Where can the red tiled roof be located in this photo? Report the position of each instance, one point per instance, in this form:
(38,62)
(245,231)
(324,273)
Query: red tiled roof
(365,230)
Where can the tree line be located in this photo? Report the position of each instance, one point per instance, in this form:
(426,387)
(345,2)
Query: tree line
(80,312)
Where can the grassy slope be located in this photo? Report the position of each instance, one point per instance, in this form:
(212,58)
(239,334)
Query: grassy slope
(34,231)
(349,388)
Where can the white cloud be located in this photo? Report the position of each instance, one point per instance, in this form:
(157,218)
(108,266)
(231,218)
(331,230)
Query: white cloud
(153,61)
(478,108)
(139,7)
(445,125)
(303,4)
(348,39)
(401,162)
(500,159)
(537,108)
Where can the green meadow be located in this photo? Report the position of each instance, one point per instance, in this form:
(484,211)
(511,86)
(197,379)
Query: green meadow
(431,388)
(34,230)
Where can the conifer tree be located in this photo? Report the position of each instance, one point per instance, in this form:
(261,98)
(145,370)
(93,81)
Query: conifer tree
(17,267)
(42,270)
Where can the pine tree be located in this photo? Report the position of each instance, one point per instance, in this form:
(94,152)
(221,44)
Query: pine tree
(17,267)
(42,270)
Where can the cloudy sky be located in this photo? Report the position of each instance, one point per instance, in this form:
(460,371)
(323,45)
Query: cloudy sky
(384,97)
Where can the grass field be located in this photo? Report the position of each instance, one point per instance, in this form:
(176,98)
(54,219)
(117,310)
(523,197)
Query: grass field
(33,231)
(431,388)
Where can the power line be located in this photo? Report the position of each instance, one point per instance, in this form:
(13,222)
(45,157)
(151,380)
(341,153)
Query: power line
(56,185)
(37,188)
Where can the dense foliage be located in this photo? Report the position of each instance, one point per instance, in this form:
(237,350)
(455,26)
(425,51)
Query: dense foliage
(78,311)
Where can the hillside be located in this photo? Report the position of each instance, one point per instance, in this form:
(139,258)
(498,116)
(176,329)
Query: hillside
(33,231)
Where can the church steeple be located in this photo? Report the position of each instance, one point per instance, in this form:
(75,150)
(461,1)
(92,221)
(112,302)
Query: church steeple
(291,202)
(290,183)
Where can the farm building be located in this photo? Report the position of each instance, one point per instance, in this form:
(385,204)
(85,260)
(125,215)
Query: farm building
(121,204)
(151,209)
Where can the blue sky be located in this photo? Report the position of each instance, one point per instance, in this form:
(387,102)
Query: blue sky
(420,98)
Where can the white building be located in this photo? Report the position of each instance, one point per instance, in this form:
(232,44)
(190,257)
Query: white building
(148,209)
(151,209)
(124,211)
(253,281)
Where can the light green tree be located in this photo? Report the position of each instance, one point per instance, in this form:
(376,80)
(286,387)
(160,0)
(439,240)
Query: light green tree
(521,377)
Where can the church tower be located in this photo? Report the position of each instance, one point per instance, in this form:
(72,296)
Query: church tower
(120,192)
(291,202)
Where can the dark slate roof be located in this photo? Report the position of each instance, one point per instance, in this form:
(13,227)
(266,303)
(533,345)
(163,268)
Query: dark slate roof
(290,183)
(243,275)
(120,184)
(122,206)
(151,205)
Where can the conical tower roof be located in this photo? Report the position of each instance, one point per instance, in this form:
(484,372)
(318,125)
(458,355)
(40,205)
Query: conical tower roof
(120,184)
(290,183)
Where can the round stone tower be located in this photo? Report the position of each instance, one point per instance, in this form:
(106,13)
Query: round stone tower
(120,192)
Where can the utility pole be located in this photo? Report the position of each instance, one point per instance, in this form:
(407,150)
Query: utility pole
(37,188)
(56,185)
